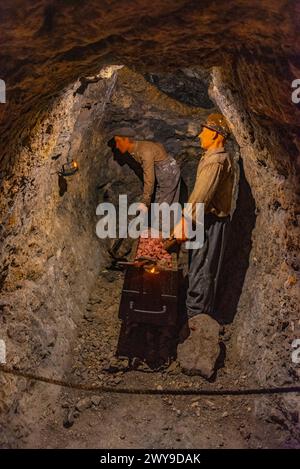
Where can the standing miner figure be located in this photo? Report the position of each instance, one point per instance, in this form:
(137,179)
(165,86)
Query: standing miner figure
(213,188)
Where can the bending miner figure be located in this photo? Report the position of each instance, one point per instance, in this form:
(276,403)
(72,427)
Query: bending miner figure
(157,166)
(213,187)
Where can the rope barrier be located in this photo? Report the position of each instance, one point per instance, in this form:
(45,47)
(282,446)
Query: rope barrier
(166,391)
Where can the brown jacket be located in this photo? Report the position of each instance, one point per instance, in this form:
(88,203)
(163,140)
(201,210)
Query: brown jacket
(214,183)
(147,154)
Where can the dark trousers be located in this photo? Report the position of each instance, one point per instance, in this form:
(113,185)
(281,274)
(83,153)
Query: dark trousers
(205,265)
(167,175)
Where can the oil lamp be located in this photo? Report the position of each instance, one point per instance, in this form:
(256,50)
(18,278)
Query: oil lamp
(69,168)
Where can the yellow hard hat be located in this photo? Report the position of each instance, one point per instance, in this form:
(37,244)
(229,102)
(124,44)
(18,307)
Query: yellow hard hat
(218,123)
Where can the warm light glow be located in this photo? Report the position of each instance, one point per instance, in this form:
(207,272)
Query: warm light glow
(152,270)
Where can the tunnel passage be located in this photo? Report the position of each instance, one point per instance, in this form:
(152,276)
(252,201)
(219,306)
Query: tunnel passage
(45,287)
(49,259)
(56,214)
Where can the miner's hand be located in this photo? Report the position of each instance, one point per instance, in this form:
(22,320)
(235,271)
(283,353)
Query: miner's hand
(170,244)
(177,237)
(180,231)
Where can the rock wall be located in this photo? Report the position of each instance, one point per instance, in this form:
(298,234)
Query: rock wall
(50,253)
(267,319)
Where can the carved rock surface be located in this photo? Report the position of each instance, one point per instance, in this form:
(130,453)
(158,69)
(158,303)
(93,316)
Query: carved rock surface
(198,354)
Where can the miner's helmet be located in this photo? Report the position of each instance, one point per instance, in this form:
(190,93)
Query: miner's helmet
(218,123)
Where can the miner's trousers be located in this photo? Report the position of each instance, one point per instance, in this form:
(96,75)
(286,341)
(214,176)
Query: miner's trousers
(205,265)
(167,174)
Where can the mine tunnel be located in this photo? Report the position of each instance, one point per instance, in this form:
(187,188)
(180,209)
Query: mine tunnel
(60,292)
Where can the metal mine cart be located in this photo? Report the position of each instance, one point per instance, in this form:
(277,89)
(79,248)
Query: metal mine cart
(150,310)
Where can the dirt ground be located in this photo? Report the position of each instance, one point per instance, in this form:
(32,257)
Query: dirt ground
(89,420)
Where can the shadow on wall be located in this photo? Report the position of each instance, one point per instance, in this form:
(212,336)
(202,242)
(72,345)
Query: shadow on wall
(236,259)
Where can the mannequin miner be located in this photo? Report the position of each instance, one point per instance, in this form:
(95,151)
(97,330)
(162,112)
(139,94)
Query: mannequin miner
(213,188)
(157,167)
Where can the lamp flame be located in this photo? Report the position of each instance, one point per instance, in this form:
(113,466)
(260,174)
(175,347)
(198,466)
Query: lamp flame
(152,270)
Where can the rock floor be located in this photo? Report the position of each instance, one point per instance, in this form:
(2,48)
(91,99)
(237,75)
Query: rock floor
(90,420)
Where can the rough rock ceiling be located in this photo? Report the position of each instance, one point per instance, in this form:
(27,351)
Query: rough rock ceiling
(48,45)
(53,42)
